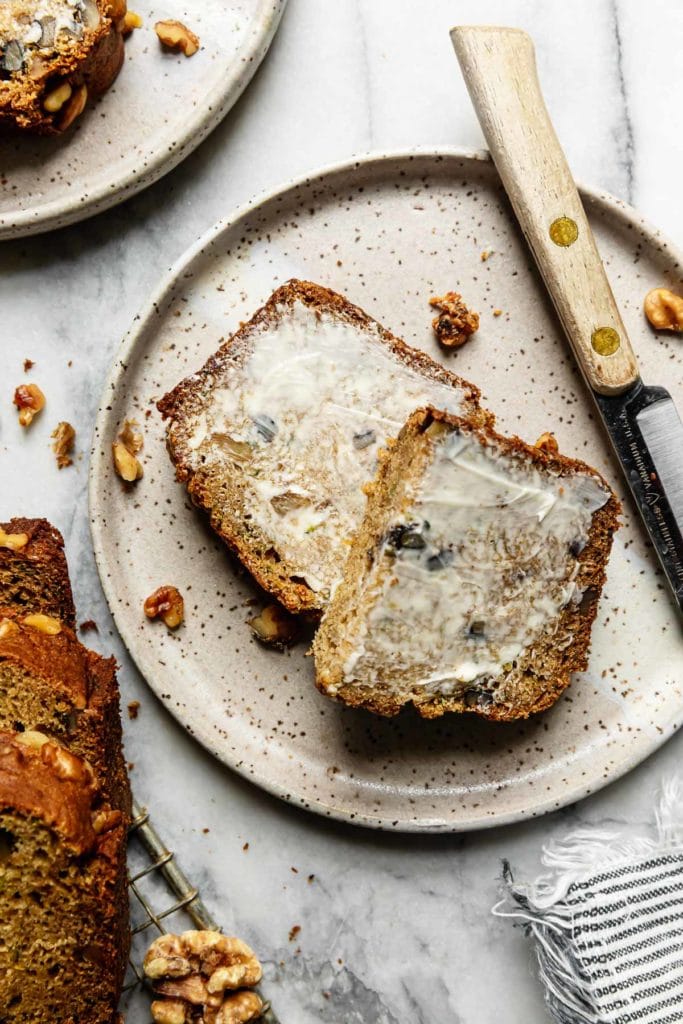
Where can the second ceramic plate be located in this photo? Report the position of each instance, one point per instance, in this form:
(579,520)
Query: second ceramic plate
(389,232)
(160,108)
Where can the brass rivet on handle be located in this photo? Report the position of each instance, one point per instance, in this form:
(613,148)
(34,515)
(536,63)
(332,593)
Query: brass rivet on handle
(564,231)
(605,341)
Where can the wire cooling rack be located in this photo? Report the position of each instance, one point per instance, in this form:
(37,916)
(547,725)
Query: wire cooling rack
(162,900)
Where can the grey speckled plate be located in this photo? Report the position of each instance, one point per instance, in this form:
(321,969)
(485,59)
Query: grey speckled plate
(159,109)
(388,231)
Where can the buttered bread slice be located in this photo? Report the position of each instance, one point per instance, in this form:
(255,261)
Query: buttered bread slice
(279,432)
(473,582)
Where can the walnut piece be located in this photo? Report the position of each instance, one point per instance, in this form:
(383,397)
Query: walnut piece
(13,541)
(203,976)
(74,107)
(664,309)
(131,21)
(125,464)
(43,623)
(176,36)
(29,400)
(166,602)
(7,628)
(275,626)
(64,439)
(455,322)
(130,438)
(547,443)
(55,100)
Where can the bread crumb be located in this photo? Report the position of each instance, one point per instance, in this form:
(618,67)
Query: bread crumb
(88,625)
(455,322)
(206,831)
(294,931)
(498,312)
(133,708)
(485,255)
(311,879)
(245,847)
(64,440)
(28,365)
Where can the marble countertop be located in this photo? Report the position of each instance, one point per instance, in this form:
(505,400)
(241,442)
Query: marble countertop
(393,929)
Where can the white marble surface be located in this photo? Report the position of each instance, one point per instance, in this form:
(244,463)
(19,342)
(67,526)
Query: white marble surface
(393,929)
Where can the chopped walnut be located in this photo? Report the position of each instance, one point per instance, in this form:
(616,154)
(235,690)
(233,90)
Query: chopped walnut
(125,464)
(13,541)
(43,623)
(131,21)
(548,444)
(131,438)
(176,36)
(7,628)
(64,439)
(29,400)
(455,322)
(664,309)
(203,976)
(275,626)
(167,603)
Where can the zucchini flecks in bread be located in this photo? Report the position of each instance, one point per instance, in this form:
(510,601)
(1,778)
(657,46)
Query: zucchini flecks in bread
(53,55)
(473,581)
(63,899)
(278,433)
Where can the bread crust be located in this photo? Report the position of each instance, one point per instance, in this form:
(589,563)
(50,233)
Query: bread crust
(95,62)
(36,577)
(538,682)
(251,547)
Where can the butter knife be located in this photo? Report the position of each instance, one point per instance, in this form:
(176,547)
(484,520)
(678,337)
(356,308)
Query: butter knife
(642,423)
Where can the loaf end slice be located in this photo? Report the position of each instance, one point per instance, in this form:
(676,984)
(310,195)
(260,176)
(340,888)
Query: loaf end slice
(473,581)
(34,575)
(276,436)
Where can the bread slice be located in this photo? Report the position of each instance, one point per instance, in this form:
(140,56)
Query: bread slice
(473,581)
(74,46)
(33,572)
(278,433)
(52,684)
(63,901)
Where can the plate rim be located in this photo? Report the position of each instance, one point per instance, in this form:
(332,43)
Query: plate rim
(623,212)
(58,213)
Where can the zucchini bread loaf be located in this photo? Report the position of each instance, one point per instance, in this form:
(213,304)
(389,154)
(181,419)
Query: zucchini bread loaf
(473,581)
(64,798)
(278,433)
(54,54)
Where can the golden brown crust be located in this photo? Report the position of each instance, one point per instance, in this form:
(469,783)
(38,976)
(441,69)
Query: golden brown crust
(250,546)
(95,63)
(36,577)
(539,679)
(29,785)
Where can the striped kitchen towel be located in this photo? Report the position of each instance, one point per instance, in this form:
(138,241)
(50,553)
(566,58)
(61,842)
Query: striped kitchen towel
(608,922)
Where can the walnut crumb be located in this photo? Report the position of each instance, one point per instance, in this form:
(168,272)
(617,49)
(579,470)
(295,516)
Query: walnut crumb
(64,437)
(455,323)
(133,709)
(294,931)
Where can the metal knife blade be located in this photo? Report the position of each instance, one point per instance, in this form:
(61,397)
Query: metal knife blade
(647,436)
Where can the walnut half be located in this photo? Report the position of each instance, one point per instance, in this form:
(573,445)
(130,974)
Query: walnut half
(664,309)
(203,976)
(167,603)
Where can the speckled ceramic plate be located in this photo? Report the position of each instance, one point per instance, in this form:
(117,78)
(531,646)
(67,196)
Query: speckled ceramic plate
(388,231)
(157,112)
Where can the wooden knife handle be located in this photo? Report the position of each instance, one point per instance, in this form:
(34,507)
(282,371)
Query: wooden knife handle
(499,67)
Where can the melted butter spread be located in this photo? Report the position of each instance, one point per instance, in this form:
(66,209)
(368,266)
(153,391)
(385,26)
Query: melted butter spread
(41,25)
(479,568)
(305,419)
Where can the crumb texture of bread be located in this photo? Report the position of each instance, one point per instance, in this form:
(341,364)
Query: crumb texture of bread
(64,798)
(63,899)
(473,581)
(35,576)
(277,435)
(74,46)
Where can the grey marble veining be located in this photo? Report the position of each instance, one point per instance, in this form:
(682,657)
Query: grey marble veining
(393,929)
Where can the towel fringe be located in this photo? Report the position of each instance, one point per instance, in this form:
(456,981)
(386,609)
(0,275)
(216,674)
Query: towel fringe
(540,909)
